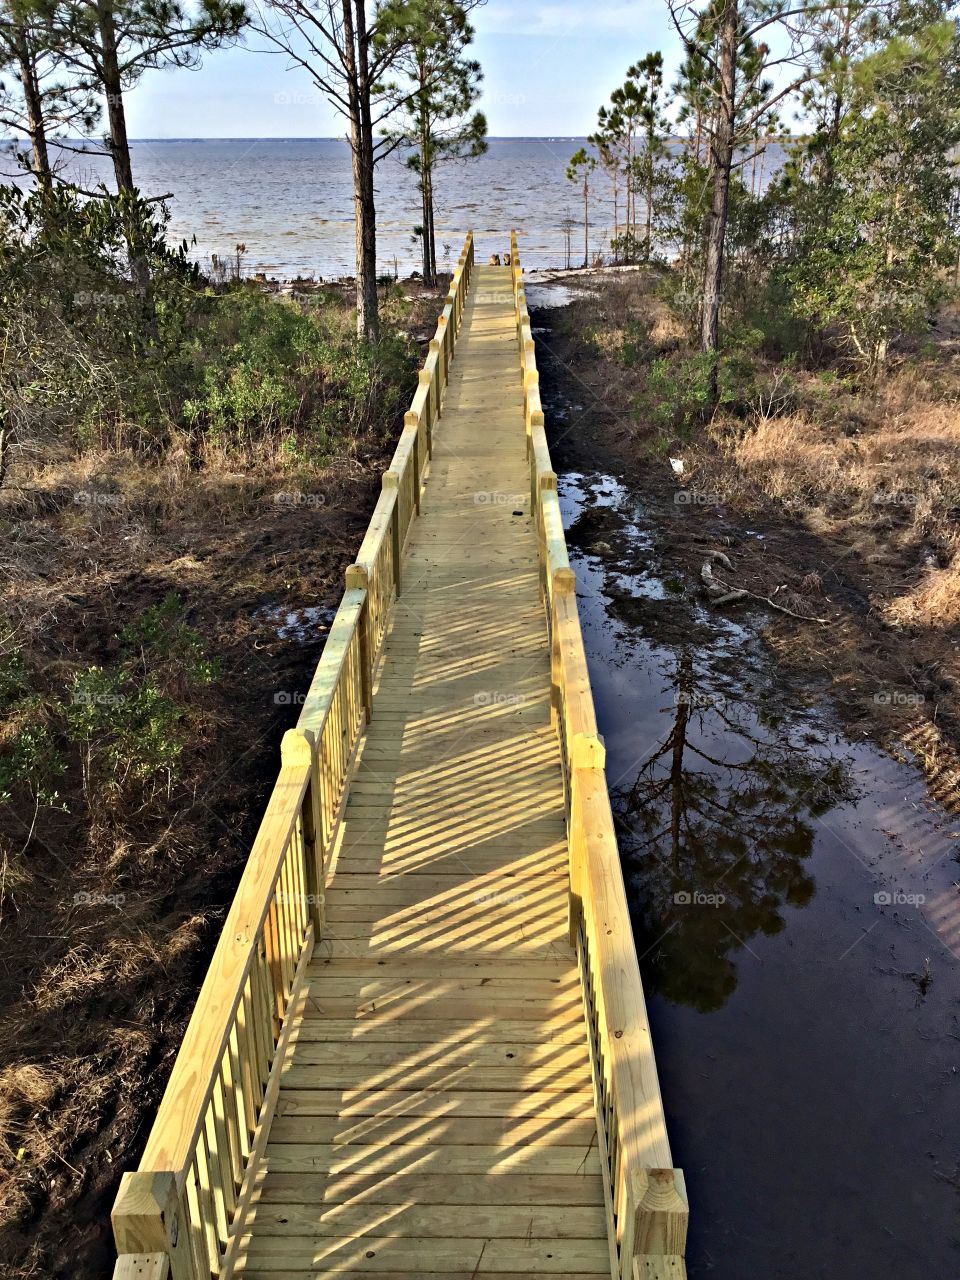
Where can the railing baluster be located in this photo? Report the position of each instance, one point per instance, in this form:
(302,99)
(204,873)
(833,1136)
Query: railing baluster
(216,1194)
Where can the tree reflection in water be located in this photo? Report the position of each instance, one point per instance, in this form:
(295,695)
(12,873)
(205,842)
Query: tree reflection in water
(715,832)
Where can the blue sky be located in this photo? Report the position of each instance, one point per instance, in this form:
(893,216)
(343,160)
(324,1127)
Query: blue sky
(548,65)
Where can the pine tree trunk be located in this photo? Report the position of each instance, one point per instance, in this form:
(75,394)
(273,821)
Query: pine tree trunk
(428,265)
(36,127)
(649,193)
(356,40)
(432,229)
(721,160)
(113,92)
(119,142)
(586,222)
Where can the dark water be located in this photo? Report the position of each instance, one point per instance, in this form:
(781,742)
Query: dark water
(290,200)
(796,914)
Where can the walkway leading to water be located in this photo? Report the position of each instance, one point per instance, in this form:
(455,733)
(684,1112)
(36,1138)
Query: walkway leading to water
(405,1081)
(436,1108)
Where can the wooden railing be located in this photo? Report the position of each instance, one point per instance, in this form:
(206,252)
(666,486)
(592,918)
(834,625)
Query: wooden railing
(645,1196)
(174,1217)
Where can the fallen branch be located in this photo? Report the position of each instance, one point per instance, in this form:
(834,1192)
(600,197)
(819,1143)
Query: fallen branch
(722,593)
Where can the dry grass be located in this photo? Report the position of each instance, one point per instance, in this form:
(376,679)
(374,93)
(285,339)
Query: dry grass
(886,475)
(108,912)
(838,499)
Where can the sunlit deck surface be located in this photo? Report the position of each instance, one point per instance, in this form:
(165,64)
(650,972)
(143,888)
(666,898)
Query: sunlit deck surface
(436,1111)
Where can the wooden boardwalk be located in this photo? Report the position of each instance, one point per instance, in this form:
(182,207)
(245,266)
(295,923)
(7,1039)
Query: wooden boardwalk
(432,1099)
(436,1109)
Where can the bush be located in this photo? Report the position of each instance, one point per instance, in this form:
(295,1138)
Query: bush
(89,359)
(130,724)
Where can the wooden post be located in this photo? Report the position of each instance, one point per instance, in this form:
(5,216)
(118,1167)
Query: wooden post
(656,1268)
(425,380)
(442,364)
(392,481)
(657,1213)
(358,576)
(298,746)
(435,349)
(548,480)
(412,423)
(534,419)
(150,1216)
(142,1266)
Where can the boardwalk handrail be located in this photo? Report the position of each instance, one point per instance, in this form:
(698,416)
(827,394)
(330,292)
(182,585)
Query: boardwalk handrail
(645,1196)
(173,1217)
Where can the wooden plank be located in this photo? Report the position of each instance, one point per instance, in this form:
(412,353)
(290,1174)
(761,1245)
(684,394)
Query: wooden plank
(439,1075)
(660,1268)
(301,1157)
(428,1222)
(254,1270)
(427,1008)
(434,1131)
(394,1253)
(355,1103)
(457,966)
(543,1028)
(439,1054)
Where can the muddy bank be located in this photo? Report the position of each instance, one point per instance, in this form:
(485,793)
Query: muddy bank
(792,889)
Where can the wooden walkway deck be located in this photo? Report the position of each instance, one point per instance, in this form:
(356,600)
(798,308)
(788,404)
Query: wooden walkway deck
(436,1107)
(422,1047)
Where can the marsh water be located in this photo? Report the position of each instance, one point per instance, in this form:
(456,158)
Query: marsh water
(797,917)
(795,910)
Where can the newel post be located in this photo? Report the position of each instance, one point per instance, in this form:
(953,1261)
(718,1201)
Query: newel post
(656,1215)
(150,1217)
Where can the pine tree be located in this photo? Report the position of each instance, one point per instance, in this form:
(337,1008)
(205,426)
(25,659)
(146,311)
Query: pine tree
(876,239)
(439,88)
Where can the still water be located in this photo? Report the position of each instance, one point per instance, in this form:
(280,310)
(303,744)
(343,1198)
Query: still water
(796,912)
(290,201)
